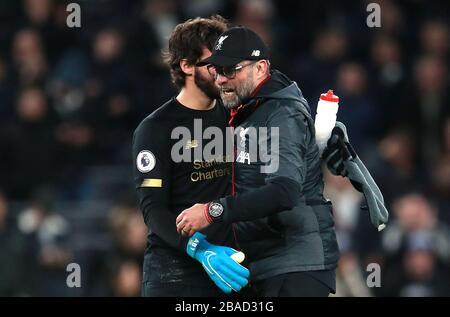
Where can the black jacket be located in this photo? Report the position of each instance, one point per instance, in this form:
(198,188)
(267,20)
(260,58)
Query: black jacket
(284,224)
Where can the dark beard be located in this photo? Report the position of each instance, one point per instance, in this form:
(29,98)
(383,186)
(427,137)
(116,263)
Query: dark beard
(206,86)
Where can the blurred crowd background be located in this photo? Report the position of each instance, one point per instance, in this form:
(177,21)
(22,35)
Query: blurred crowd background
(70,99)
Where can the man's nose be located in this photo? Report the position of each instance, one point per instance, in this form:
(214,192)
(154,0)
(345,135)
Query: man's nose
(220,79)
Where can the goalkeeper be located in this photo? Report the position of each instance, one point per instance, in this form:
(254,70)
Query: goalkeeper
(165,188)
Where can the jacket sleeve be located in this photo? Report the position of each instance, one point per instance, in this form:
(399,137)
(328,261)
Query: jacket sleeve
(285,169)
(152,175)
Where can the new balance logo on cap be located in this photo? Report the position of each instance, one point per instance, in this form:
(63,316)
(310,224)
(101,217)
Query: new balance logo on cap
(256,53)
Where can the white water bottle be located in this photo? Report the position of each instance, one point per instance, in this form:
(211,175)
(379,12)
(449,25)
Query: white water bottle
(325,121)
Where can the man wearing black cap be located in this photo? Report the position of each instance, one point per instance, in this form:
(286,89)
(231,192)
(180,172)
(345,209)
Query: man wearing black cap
(284,224)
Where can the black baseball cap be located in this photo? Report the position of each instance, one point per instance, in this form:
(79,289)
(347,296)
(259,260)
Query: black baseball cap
(234,45)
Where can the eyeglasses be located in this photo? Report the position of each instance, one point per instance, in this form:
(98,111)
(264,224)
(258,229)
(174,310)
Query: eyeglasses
(227,71)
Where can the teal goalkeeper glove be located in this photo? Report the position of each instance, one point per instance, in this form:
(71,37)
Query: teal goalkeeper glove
(218,262)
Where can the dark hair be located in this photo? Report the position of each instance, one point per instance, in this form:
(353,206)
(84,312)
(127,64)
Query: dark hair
(187,42)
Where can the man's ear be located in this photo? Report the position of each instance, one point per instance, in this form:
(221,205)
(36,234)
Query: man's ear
(187,68)
(262,67)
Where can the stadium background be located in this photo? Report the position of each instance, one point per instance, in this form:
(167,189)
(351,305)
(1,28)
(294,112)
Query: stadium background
(71,98)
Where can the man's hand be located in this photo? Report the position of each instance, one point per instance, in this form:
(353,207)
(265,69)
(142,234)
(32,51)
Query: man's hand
(193,219)
(338,150)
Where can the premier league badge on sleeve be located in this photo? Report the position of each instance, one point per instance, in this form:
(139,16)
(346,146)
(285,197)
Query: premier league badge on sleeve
(145,161)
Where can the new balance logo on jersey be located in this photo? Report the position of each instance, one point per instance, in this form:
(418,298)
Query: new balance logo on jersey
(191,144)
(256,53)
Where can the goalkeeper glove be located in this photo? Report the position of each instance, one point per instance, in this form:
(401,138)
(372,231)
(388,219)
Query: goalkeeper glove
(218,262)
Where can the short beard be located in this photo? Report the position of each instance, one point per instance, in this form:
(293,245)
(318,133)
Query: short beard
(206,86)
(242,93)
